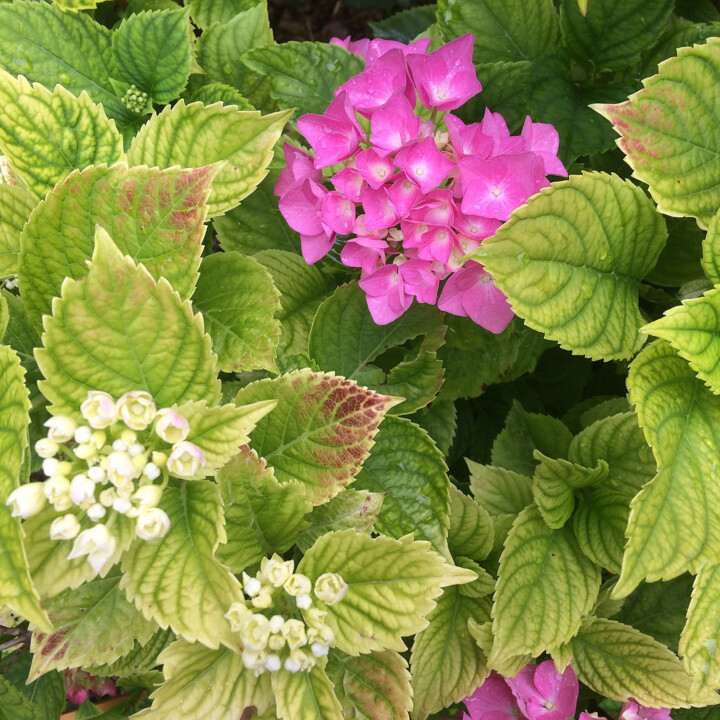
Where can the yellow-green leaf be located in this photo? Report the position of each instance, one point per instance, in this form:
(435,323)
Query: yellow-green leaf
(305,695)
(16,204)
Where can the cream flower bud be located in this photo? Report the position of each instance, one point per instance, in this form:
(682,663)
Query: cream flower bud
(46,448)
(148,496)
(83,434)
(185,459)
(303,659)
(99,410)
(171,426)
(275,571)
(96,474)
(297,584)
(255,632)
(315,618)
(121,505)
(276,623)
(273,663)
(263,599)
(119,446)
(97,543)
(63,468)
(291,666)
(136,409)
(152,523)
(251,585)
(139,462)
(64,528)
(27,500)
(56,487)
(323,635)
(319,649)
(120,468)
(303,602)
(294,633)
(86,451)
(330,588)
(61,428)
(82,490)
(96,512)
(50,466)
(108,497)
(136,449)
(254,660)
(237,613)
(98,438)
(151,471)
(276,642)
(128,437)
(159,458)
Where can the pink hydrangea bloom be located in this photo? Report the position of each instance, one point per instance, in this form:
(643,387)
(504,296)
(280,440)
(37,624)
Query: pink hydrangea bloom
(493,700)
(80,684)
(543,694)
(633,710)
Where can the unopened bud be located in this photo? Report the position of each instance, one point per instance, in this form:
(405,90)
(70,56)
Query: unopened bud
(27,500)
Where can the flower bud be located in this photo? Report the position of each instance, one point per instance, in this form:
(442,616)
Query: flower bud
(297,584)
(185,459)
(56,487)
(120,468)
(254,660)
(152,523)
(319,649)
(275,571)
(119,446)
(251,585)
(273,663)
(83,434)
(128,437)
(46,448)
(237,613)
(255,632)
(97,543)
(86,451)
(64,528)
(291,666)
(98,438)
(171,426)
(61,428)
(136,409)
(99,410)
(63,468)
(108,497)
(139,462)
(96,512)
(276,643)
(303,659)
(159,458)
(322,634)
(96,474)
(122,505)
(27,500)
(136,449)
(276,623)
(315,618)
(303,602)
(263,599)
(148,496)
(151,471)
(82,490)
(330,588)
(294,633)
(50,466)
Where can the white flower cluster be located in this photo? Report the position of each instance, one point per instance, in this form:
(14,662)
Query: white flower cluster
(271,637)
(135,99)
(109,465)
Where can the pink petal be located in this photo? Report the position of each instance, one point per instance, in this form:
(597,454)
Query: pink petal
(380,80)
(314,247)
(298,166)
(364,252)
(493,700)
(379,213)
(379,47)
(393,125)
(468,139)
(420,280)
(403,194)
(437,208)
(633,710)
(476,226)
(338,213)
(425,164)
(437,244)
(373,168)
(386,298)
(349,182)
(301,207)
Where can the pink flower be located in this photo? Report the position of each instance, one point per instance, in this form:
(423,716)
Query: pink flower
(379,212)
(468,139)
(386,296)
(301,207)
(349,182)
(373,49)
(364,252)
(298,166)
(425,164)
(403,195)
(543,694)
(420,280)
(338,213)
(393,125)
(374,169)
(590,716)
(493,700)
(633,710)
(543,140)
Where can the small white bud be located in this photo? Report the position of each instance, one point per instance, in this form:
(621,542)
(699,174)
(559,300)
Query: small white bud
(291,665)
(99,409)
(136,409)
(276,623)
(96,512)
(46,448)
(121,505)
(108,497)
(273,663)
(171,426)
(119,446)
(151,471)
(86,451)
(96,474)
(330,588)
(152,523)
(50,466)
(251,585)
(97,543)
(319,650)
(135,449)
(56,487)
(64,528)
(120,468)
(148,496)
(27,500)
(83,434)
(303,602)
(60,428)
(185,459)
(297,584)
(82,490)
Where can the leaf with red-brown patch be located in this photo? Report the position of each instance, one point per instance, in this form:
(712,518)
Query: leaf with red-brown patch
(321,430)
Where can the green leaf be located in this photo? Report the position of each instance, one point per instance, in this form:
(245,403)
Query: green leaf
(439,420)
(75,5)
(221,46)
(141,659)
(46,135)
(620,662)
(392,585)
(446,662)
(609,36)
(194,136)
(499,491)
(545,586)
(16,204)
(405,26)
(205,683)
(692,329)
(158,345)
(570,262)
(238,300)
(672,152)
(679,34)
(305,695)
(553,485)
(207,12)
(262,516)
(372,687)
(406,465)
(304,75)
(680,261)
(47,693)
(673,519)
(21,336)
(619,441)
(471,527)
(152,51)
(16,587)
(599,524)
(504,30)
(94,624)
(13,704)
(319,433)
(710,251)
(218,92)
(155,215)
(175,580)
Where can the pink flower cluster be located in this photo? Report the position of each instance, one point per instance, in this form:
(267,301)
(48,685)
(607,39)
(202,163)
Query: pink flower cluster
(80,684)
(416,189)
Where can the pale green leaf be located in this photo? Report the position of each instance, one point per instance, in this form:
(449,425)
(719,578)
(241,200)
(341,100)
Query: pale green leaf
(46,135)
(485,583)
(499,491)
(262,516)
(446,662)
(219,92)
(471,527)
(205,683)
(16,204)
(176,580)
(620,662)
(238,300)
(94,624)
(194,136)
(16,588)
(693,329)
(152,51)
(119,330)
(676,153)
(372,687)
(406,465)
(711,251)
(504,30)
(305,695)
(391,587)
(207,12)
(304,75)
(154,216)
(545,586)
(141,659)
(320,432)
(619,441)
(675,519)
(571,259)
(76,5)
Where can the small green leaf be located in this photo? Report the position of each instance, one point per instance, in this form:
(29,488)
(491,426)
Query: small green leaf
(471,527)
(439,420)
(446,662)
(673,153)
(46,135)
(321,430)
(499,491)
(545,586)
(405,26)
(570,262)
(47,693)
(304,75)
(392,585)
(208,12)
(16,204)
(305,695)
(262,516)
(406,465)
(194,136)
(205,683)
(680,261)
(620,662)
(141,659)
(152,51)
(13,704)
(219,92)
(21,336)
(711,251)
(158,345)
